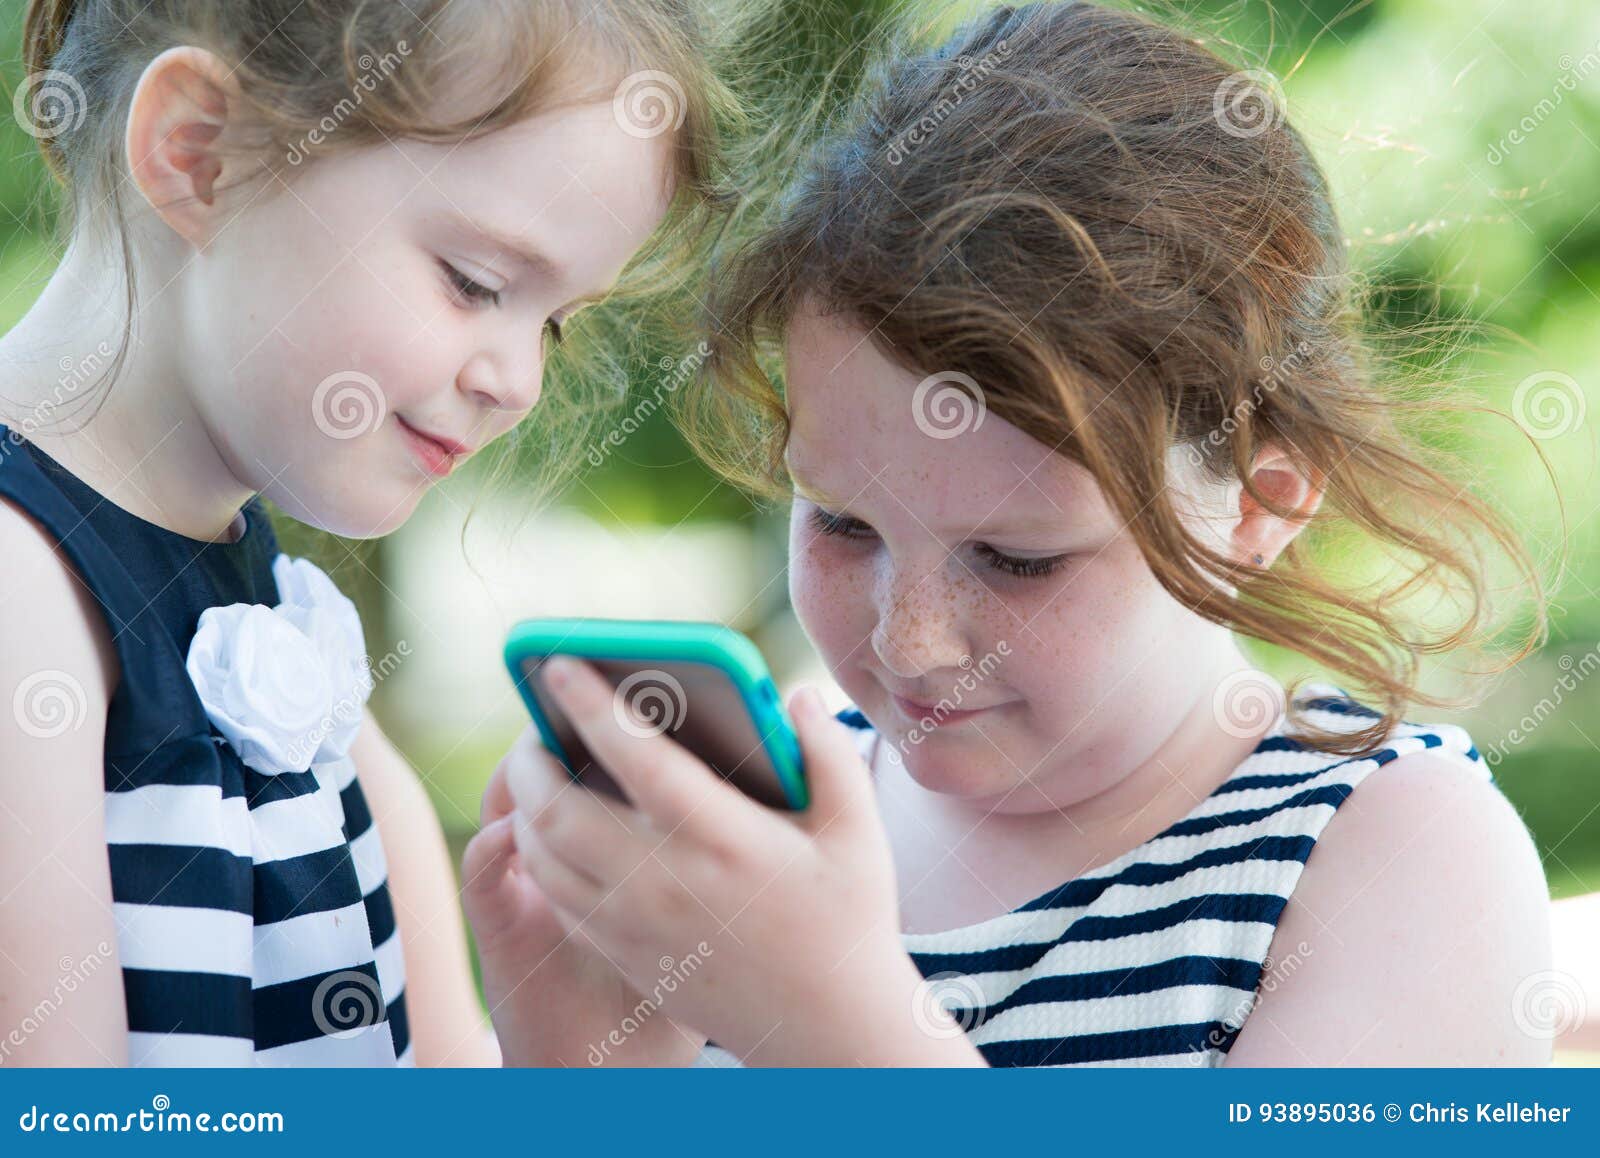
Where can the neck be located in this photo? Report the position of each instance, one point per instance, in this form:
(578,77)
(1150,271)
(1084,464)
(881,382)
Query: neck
(135,438)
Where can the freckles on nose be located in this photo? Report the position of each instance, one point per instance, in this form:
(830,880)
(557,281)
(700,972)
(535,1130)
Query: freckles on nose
(922,626)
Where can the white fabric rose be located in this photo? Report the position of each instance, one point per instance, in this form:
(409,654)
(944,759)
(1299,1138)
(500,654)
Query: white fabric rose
(284,685)
(263,684)
(313,603)
(301,583)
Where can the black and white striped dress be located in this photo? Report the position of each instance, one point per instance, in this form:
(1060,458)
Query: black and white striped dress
(1156,958)
(254,923)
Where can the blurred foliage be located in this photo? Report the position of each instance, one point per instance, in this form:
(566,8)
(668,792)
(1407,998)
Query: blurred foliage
(1460,140)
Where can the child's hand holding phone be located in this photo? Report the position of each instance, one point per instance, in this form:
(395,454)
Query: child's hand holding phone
(553,999)
(775,932)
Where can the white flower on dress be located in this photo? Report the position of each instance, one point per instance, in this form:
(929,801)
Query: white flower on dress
(284,685)
(311,601)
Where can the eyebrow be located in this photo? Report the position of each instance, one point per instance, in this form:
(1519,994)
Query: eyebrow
(529,253)
(521,248)
(805,491)
(1023,529)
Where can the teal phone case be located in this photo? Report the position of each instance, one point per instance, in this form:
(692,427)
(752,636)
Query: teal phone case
(664,641)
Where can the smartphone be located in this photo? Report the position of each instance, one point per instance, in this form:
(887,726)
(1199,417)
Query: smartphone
(703,684)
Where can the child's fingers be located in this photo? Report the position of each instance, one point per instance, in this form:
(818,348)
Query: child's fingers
(662,780)
(488,893)
(837,778)
(563,885)
(534,778)
(602,838)
(497,801)
(488,854)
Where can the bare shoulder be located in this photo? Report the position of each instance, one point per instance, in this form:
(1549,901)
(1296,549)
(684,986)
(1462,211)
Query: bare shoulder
(1576,933)
(1416,934)
(41,595)
(57,670)
(51,620)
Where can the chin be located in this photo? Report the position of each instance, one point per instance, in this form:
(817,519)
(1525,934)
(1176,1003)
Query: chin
(373,524)
(962,767)
(377,514)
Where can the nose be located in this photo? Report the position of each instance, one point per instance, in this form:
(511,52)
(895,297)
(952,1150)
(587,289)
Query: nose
(919,627)
(505,381)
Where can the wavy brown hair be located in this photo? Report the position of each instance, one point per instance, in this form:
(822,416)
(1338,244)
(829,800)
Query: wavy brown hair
(1118,237)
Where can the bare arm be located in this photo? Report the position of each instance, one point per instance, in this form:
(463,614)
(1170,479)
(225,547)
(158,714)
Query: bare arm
(447,1022)
(1576,985)
(1412,938)
(61,996)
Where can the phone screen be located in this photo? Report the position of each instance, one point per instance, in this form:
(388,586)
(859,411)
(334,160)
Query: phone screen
(695,704)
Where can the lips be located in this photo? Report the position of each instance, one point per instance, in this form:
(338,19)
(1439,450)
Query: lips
(940,712)
(435,454)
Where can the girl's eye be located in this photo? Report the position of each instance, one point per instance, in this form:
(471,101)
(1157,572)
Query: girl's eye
(827,523)
(468,290)
(553,328)
(1021,566)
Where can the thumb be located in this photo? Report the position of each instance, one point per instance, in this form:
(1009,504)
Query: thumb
(838,779)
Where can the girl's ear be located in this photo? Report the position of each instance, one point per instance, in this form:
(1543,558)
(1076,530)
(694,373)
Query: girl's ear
(1260,535)
(175,127)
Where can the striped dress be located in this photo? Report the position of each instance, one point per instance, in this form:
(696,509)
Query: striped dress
(253,917)
(1157,958)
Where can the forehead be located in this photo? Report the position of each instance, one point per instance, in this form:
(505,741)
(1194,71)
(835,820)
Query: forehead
(573,174)
(862,424)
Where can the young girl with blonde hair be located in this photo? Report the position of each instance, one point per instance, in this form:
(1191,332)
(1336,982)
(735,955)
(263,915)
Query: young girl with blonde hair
(318,253)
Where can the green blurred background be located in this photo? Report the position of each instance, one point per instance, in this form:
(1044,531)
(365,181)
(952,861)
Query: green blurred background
(1462,139)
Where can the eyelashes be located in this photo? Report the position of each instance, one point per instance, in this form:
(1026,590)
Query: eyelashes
(1017,566)
(827,523)
(1022,566)
(467,290)
(472,293)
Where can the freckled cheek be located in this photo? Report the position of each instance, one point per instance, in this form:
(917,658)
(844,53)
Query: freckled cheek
(1078,628)
(830,591)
